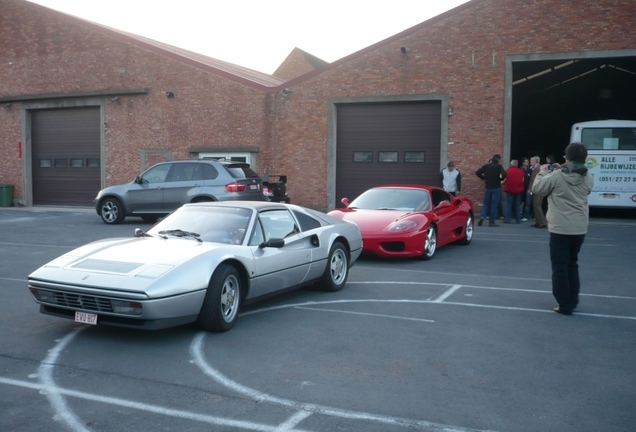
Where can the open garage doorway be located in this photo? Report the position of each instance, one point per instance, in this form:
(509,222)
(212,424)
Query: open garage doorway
(547,93)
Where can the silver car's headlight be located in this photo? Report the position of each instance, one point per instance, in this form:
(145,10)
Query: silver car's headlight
(127,308)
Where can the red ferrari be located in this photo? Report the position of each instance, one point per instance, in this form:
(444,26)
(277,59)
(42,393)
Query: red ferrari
(408,220)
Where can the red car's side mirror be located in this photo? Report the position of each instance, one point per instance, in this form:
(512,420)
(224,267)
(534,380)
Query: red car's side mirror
(345,201)
(442,205)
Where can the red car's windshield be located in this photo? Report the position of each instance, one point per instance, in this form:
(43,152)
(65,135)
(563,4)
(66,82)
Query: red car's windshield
(393,199)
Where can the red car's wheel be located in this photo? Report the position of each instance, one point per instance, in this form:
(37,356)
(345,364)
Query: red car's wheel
(468,231)
(430,243)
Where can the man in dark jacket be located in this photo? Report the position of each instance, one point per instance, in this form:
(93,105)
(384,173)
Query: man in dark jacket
(493,174)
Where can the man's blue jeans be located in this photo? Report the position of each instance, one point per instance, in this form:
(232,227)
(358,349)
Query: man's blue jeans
(491,199)
(513,202)
(527,208)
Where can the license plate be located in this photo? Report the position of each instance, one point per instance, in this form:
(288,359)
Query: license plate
(253,186)
(609,196)
(86,318)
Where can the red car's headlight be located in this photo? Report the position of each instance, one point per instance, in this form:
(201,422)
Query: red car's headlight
(403,225)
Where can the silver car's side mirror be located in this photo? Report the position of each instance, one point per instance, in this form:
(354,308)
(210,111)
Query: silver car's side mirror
(275,243)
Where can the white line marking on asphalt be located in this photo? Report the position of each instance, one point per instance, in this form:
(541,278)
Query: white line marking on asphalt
(14,280)
(50,389)
(293,421)
(536,310)
(447,294)
(196,350)
(36,245)
(155,409)
(363,313)
(489,288)
(297,305)
(454,274)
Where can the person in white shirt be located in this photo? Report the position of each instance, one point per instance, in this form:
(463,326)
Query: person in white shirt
(450,179)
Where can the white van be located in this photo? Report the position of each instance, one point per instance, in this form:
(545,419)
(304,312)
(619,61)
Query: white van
(611,160)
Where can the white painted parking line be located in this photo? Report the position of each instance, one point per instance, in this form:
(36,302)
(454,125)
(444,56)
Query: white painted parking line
(186,415)
(196,350)
(293,421)
(447,294)
(489,288)
(363,313)
(14,280)
(536,310)
(453,274)
(298,305)
(56,395)
(51,391)
(36,245)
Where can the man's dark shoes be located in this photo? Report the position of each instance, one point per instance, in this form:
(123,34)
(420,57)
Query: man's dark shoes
(558,310)
(481,221)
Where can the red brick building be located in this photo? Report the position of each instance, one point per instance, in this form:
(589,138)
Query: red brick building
(84,106)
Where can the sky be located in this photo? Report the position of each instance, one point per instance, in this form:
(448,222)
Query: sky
(259,34)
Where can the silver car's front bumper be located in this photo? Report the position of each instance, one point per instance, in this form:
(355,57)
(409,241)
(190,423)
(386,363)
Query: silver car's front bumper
(155,313)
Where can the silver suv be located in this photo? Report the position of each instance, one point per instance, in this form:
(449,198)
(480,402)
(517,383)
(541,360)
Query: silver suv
(168,185)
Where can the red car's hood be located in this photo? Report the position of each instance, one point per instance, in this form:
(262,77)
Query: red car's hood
(373,221)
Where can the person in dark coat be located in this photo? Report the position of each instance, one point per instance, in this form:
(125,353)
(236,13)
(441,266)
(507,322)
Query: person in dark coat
(493,174)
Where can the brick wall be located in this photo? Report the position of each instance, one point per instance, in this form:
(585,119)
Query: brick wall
(45,52)
(295,65)
(440,60)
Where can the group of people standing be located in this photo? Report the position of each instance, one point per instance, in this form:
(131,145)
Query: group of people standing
(516,183)
(566,188)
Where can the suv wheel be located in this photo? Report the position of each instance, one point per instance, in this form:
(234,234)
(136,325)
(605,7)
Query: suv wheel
(111,211)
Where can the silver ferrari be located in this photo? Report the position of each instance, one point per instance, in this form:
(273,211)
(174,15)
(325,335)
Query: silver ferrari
(199,264)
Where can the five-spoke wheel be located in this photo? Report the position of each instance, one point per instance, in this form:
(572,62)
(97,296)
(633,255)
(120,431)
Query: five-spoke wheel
(337,270)
(430,243)
(111,211)
(222,300)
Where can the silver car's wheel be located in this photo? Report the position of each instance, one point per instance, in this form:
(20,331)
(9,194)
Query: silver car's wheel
(111,211)
(430,243)
(222,300)
(468,231)
(337,270)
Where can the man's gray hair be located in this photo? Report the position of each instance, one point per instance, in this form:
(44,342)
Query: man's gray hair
(537,159)
(514,162)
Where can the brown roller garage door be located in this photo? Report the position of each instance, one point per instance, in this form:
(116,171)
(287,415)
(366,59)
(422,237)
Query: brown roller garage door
(384,143)
(66,156)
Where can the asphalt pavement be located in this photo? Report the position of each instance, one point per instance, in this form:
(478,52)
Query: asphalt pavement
(464,342)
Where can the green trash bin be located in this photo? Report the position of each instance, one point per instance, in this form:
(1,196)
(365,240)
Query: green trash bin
(6,195)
